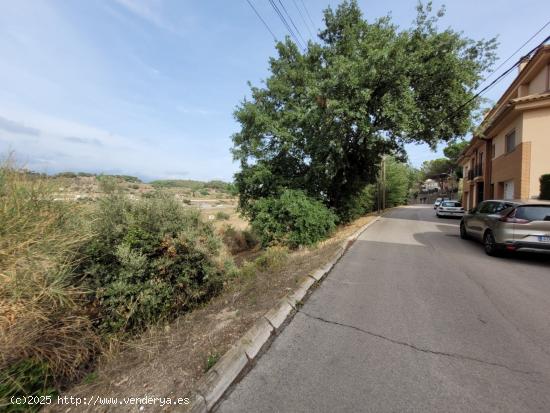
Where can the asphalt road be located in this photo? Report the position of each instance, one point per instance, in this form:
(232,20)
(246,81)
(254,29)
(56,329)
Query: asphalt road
(412,319)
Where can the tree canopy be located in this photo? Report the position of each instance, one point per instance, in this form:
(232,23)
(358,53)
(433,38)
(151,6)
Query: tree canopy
(325,117)
(448,165)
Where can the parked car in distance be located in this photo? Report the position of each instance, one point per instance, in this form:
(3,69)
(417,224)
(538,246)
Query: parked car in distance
(438,201)
(449,208)
(509,226)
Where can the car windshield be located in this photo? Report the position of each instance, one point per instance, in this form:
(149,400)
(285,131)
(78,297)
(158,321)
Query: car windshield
(451,204)
(534,212)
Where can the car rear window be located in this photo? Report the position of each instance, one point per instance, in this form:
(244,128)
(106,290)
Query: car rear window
(451,204)
(534,212)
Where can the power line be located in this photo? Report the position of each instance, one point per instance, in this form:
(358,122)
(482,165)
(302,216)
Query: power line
(521,47)
(499,78)
(302,17)
(505,72)
(308,15)
(292,21)
(280,14)
(262,20)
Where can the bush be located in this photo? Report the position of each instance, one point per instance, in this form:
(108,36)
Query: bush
(272,259)
(45,335)
(239,241)
(293,219)
(150,260)
(222,216)
(545,187)
(358,205)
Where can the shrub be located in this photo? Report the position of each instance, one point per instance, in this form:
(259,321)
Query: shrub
(220,215)
(45,335)
(237,240)
(272,259)
(545,187)
(150,260)
(358,205)
(293,219)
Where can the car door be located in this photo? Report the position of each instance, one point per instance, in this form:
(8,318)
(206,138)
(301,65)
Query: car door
(478,219)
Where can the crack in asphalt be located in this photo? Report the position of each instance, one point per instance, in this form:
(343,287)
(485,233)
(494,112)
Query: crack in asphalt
(420,349)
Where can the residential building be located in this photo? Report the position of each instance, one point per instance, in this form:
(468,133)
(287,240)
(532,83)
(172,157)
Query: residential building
(512,150)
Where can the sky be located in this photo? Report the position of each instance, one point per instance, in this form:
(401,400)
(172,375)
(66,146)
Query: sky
(148,87)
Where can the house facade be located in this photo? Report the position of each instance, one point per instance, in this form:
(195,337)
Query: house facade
(507,157)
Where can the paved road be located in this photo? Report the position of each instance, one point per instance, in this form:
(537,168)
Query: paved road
(412,319)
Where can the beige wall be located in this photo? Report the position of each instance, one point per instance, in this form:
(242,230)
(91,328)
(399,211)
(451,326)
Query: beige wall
(536,129)
(513,166)
(538,84)
(500,140)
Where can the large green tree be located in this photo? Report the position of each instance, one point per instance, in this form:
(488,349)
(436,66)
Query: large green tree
(324,117)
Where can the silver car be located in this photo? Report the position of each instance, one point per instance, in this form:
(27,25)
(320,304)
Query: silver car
(509,226)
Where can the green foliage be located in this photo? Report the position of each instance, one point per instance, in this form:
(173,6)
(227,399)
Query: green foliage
(237,240)
(45,335)
(211,360)
(222,216)
(545,186)
(25,378)
(435,167)
(324,118)
(107,184)
(193,185)
(399,179)
(359,204)
(293,219)
(150,260)
(65,175)
(453,150)
(272,259)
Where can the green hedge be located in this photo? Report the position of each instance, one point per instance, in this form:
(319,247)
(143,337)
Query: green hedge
(293,219)
(545,186)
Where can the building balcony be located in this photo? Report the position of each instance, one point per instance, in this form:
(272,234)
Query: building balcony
(475,172)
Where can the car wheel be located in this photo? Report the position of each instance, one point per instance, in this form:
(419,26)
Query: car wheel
(463,232)
(490,244)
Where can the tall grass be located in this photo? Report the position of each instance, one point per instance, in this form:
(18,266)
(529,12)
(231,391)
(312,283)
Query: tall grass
(45,334)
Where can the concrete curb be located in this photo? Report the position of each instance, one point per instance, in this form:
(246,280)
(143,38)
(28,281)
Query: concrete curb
(215,383)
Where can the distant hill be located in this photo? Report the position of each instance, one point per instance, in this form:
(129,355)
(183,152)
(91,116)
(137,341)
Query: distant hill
(125,178)
(193,185)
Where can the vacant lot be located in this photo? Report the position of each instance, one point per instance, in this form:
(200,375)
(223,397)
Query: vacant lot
(168,360)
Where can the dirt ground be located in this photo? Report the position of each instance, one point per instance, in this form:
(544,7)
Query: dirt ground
(168,361)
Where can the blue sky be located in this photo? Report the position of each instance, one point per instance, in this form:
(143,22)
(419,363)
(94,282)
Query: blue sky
(148,87)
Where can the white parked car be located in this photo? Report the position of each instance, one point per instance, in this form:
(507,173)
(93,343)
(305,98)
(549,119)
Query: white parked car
(449,209)
(438,202)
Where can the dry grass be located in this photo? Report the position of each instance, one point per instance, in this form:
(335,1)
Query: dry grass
(40,310)
(169,360)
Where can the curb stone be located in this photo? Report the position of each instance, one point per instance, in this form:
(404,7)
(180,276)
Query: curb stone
(278,314)
(256,337)
(215,383)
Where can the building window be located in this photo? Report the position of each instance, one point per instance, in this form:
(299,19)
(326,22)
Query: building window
(510,141)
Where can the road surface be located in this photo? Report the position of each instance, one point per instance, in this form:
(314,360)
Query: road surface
(412,319)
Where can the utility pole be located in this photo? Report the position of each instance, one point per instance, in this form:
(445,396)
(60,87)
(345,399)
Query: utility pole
(381,198)
(383,182)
